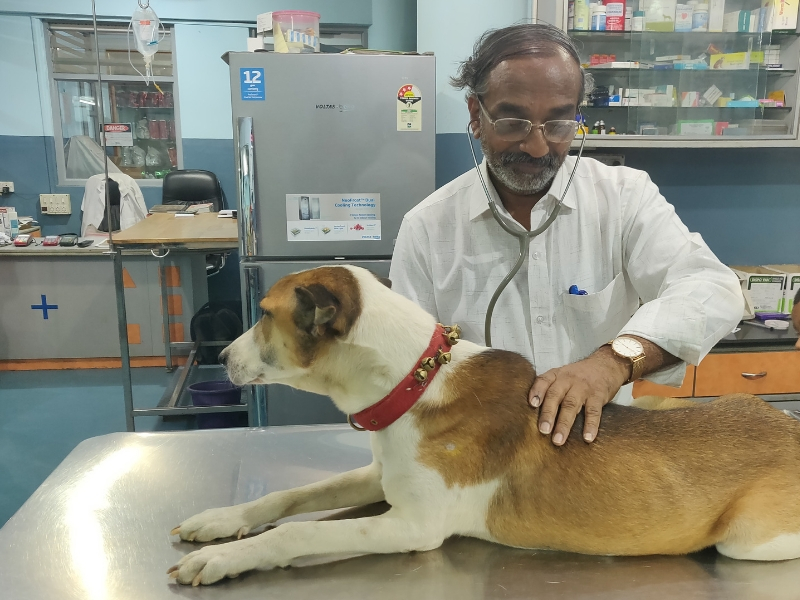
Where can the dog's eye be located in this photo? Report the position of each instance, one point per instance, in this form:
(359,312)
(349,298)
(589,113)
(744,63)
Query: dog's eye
(267,313)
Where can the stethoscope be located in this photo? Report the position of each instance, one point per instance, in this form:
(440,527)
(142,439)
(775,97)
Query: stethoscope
(524,237)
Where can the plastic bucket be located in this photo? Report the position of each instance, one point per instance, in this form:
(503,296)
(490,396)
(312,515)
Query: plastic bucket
(217,393)
(299,29)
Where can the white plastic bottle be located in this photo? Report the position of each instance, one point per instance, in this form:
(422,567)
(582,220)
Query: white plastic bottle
(581,15)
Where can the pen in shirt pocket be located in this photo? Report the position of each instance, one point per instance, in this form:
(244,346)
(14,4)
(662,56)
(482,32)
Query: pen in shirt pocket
(573,289)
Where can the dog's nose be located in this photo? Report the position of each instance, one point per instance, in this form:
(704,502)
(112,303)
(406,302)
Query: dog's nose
(223,358)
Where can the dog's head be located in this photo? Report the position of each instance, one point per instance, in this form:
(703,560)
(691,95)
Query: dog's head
(304,316)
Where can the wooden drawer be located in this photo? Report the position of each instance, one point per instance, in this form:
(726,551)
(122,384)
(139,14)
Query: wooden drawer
(646,388)
(751,372)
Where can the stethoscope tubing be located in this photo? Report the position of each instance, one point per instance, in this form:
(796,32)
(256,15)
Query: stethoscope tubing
(524,237)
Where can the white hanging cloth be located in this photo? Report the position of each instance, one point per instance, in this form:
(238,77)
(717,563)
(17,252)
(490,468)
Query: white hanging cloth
(132,208)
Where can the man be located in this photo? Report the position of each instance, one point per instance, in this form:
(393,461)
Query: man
(796,317)
(614,242)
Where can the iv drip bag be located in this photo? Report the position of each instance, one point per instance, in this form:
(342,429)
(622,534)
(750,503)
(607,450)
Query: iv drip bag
(146,30)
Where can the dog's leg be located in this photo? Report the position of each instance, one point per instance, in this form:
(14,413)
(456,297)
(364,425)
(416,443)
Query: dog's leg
(354,488)
(384,534)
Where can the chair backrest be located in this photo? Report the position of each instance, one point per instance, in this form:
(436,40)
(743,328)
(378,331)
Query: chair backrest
(193,186)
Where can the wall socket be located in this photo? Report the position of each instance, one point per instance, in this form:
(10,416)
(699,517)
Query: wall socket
(55,204)
(7,184)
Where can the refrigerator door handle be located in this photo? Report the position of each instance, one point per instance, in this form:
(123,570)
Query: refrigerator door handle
(257,394)
(246,185)
(252,294)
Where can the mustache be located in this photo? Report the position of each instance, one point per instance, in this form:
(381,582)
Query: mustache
(513,158)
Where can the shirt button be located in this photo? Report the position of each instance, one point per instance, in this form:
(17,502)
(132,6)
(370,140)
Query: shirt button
(535,256)
(540,319)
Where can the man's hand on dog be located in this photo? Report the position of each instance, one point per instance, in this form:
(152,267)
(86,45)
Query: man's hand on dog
(589,384)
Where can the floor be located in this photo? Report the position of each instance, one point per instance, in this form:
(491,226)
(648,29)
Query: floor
(45,414)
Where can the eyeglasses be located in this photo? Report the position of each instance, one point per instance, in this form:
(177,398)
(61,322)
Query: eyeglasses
(516,130)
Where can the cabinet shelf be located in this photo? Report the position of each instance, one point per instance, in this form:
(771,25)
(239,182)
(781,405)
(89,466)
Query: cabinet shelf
(713,72)
(780,109)
(679,36)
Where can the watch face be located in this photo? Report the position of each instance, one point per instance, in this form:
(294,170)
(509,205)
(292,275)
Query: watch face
(627,347)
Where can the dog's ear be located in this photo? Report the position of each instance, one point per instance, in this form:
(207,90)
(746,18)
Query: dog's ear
(316,308)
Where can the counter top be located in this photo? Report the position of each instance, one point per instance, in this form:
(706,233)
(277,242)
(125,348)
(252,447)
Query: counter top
(98,527)
(751,337)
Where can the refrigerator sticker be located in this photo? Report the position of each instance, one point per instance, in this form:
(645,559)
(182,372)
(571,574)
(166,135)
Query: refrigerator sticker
(333,217)
(409,108)
(252,81)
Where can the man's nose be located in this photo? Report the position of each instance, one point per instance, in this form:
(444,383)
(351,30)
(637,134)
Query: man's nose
(535,143)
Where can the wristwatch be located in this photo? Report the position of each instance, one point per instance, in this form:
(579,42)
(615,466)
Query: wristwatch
(632,350)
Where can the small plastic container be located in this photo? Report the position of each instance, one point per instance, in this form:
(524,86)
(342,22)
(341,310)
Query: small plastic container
(299,29)
(700,18)
(599,19)
(217,393)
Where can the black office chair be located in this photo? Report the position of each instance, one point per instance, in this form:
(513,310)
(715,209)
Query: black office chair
(193,186)
(196,187)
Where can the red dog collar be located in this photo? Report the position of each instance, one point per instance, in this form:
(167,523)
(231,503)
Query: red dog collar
(407,392)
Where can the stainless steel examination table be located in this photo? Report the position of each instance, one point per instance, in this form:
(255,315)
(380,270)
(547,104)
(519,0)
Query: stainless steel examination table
(98,529)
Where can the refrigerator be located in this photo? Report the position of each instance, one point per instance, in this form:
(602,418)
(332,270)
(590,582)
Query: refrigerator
(331,151)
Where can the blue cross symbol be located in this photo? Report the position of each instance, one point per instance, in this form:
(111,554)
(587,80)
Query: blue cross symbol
(44,307)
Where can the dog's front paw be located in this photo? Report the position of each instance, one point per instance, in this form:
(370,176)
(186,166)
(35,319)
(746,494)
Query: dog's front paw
(214,523)
(212,563)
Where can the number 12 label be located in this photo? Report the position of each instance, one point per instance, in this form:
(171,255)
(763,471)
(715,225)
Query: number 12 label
(252,81)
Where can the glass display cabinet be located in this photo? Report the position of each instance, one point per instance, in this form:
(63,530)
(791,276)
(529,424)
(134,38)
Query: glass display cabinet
(686,75)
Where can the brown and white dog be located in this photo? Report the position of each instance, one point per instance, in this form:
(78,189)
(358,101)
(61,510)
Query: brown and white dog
(467,459)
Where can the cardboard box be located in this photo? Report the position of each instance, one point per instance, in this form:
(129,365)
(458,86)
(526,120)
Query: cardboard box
(736,60)
(764,285)
(738,20)
(780,15)
(716,15)
(696,127)
(659,20)
(790,286)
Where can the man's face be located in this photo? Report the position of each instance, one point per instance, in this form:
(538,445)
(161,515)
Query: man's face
(796,322)
(536,88)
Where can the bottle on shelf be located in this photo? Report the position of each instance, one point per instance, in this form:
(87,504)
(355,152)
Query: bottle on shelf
(596,128)
(602,127)
(581,19)
(612,131)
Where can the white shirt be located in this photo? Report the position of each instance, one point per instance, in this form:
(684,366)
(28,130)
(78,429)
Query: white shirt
(616,238)
(132,208)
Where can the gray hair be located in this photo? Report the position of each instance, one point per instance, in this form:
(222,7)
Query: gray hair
(497,45)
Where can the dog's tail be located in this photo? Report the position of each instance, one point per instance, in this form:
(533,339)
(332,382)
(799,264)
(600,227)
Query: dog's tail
(661,403)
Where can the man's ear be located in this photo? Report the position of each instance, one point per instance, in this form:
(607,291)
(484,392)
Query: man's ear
(315,309)
(474,116)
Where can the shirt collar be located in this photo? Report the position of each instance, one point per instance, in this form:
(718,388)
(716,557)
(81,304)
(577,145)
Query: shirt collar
(479,204)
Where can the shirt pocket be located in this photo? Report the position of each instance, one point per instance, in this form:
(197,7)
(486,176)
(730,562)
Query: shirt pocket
(595,319)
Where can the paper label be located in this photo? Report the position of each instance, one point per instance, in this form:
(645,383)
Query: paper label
(252,82)
(118,134)
(409,108)
(333,217)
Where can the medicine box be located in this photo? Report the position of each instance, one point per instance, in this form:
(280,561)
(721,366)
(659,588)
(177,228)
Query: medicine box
(790,286)
(716,15)
(659,15)
(696,127)
(779,15)
(736,60)
(764,285)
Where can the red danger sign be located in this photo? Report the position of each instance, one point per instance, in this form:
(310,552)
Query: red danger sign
(116,127)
